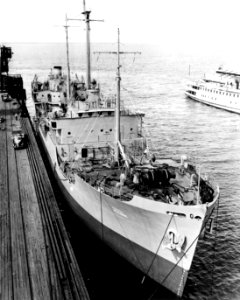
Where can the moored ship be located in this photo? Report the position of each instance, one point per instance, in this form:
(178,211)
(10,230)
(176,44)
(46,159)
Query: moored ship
(150,210)
(221,91)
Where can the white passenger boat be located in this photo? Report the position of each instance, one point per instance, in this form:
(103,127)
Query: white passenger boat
(222,91)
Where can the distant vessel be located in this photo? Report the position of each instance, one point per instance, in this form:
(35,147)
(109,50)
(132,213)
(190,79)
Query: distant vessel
(150,210)
(221,91)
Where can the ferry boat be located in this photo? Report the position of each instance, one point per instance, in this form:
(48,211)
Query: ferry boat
(222,91)
(150,210)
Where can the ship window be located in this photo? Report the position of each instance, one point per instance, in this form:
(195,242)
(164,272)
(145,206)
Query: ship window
(110,129)
(101,130)
(84,152)
(54,124)
(69,133)
(131,129)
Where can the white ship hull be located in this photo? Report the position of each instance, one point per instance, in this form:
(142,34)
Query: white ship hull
(223,93)
(218,103)
(137,229)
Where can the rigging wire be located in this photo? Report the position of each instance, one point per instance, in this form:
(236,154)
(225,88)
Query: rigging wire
(101,214)
(125,235)
(176,264)
(149,268)
(214,246)
(90,129)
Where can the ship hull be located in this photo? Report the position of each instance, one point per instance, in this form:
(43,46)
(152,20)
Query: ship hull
(134,233)
(162,270)
(225,104)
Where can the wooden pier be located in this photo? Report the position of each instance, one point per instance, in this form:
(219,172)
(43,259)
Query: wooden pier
(36,257)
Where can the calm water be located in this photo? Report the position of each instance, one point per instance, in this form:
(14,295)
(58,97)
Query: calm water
(154,83)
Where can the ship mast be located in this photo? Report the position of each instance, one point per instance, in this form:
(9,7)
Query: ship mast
(117,109)
(117,143)
(87,20)
(68,64)
(88,50)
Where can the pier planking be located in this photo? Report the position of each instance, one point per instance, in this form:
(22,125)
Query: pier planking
(20,272)
(36,259)
(5,237)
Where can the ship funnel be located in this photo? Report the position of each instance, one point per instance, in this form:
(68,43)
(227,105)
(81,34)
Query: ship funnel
(57,71)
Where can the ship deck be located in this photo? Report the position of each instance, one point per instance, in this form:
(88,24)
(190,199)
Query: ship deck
(36,257)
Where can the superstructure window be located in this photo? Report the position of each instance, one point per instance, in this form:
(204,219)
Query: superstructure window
(54,124)
(84,152)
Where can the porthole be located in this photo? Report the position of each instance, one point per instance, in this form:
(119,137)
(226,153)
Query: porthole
(69,133)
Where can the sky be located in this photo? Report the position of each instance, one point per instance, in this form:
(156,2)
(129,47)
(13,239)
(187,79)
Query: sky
(191,25)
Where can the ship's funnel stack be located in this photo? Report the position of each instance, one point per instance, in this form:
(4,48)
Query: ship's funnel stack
(57,71)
